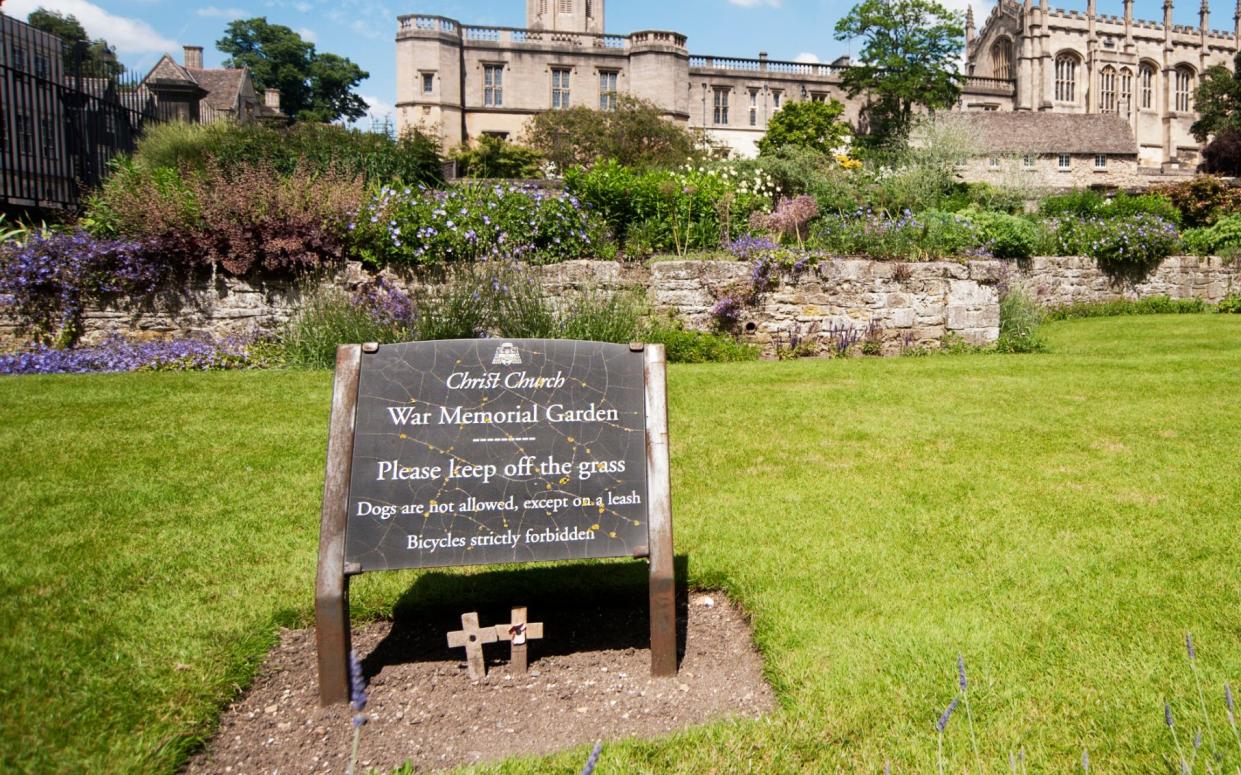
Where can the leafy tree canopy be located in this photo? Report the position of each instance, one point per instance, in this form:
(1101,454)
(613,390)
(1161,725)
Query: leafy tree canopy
(95,56)
(1218,101)
(313,86)
(909,58)
(635,133)
(807,124)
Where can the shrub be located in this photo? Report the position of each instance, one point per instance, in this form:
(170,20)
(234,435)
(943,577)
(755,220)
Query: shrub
(1137,242)
(604,317)
(494,157)
(806,124)
(46,281)
(634,134)
(253,217)
(1230,304)
(930,236)
(1088,203)
(238,218)
(794,170)
(423,226)
(412,159)
(693,208)
(1222,238)
(1202,200)
(1155,305)
(1222,156)
(1020,319)
(1005,236)
(685,346)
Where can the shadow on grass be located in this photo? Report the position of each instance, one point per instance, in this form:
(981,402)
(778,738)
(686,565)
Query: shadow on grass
(596,606)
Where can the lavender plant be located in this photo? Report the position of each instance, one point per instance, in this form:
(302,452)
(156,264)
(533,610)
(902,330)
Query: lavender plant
(357,703)
(963,684)
(726,312)
(940,726)
(593,760)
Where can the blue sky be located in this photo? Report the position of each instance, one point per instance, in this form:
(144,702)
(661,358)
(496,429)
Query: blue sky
(363,30)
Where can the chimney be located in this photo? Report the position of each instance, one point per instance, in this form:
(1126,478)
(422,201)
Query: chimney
(194,57)
(271,98)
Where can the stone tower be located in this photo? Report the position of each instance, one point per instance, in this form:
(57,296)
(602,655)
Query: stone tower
(565,15)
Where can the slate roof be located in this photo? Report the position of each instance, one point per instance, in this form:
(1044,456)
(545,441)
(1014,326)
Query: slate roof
(994,132)
(166,69)
(223,86)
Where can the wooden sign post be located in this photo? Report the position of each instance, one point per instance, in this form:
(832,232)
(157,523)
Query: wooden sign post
(488,451)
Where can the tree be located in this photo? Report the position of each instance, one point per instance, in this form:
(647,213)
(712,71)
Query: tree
(1218,101)
(635,134)
(1222,156)
(909,59)
(95,56)
(813,125)
(313,86)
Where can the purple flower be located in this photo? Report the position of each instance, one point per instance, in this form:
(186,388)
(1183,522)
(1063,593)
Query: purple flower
(943,719)
(357,689)
(1189,645)
(1167,715)
(961,673)
(593,759)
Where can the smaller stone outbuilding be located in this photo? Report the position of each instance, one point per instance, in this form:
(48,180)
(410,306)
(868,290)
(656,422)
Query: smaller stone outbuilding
(201,95)
(1057,151)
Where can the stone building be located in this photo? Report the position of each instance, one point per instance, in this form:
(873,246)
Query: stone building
(197,94)
(1048,150)
(1066,62)
(462,81)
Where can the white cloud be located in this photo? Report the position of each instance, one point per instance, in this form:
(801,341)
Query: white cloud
(756,3)
(308,34)
(224,13)
(807,58)
(130,36)
(303,7)
(376,111)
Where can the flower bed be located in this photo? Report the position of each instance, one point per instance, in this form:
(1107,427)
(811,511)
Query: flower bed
(117,354)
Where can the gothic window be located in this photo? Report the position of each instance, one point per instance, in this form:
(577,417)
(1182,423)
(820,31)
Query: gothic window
(560,87)
(493,85)
(607,90)
(720,113)
(1002,59)
(1107,90)
(1125,98)
(1066,78)
(1184,89)
(1146,83)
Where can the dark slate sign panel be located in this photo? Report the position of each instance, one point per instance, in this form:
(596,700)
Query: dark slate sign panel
(493,451)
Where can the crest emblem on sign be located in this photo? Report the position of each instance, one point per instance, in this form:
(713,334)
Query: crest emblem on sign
(506,355)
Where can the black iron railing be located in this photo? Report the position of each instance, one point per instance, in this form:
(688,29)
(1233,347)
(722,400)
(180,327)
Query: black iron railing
(64,115)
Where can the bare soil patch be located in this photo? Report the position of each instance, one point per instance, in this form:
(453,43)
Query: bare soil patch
(589,679)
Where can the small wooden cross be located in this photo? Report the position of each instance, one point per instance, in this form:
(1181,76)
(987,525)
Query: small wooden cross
(471,637)
(518,633)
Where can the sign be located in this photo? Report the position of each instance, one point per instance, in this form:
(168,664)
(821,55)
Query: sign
(491,451)
(488,451)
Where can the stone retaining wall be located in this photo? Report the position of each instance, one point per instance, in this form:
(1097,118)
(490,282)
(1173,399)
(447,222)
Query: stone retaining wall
(892,304)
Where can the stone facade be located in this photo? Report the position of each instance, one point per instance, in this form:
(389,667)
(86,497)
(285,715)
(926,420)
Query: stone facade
(1025,57)
(1045,171)
(893,304)
(1072,62)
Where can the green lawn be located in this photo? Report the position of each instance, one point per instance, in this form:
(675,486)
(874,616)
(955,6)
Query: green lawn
(1060,520)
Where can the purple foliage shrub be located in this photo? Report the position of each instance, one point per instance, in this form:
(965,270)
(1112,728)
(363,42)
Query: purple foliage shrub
(121,355)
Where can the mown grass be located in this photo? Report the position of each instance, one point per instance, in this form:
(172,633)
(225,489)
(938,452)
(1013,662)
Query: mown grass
(1060,519)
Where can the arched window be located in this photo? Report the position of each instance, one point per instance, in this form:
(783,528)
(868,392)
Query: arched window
(1002,59)
(1146,87)
(1184,89)
(1125,98)
(1107,90)
(1066,78)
